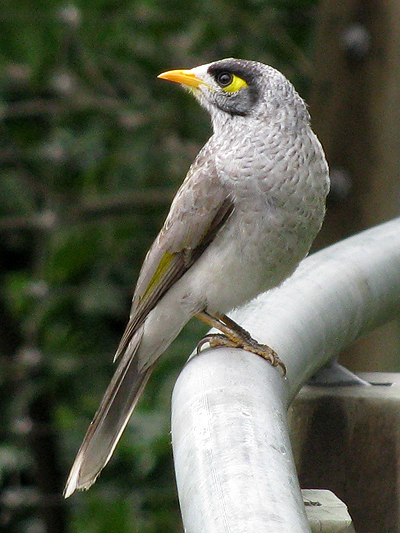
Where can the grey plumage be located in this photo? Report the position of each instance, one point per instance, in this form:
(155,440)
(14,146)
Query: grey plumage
(246,214)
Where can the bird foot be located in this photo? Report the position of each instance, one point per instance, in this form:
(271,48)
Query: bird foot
(246,342)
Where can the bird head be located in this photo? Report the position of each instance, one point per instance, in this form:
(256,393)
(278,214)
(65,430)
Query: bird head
(239,88)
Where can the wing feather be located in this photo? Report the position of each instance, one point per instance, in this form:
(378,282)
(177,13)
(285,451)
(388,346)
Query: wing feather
(199,210)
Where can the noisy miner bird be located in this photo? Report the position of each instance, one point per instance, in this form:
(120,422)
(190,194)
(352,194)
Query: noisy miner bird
(246,214)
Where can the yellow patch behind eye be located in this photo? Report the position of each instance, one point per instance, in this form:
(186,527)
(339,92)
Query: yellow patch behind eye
(235,85)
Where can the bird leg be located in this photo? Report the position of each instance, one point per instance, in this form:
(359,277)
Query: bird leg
(234,336)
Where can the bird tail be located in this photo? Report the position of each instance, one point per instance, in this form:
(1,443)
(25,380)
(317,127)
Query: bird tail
(110,419)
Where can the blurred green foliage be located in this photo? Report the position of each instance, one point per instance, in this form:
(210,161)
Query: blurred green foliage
(92,147)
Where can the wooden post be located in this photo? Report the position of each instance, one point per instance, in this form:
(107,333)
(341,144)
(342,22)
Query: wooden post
(355,109)
(346,439)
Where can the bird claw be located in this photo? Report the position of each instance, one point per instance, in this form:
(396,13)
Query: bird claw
(248,343)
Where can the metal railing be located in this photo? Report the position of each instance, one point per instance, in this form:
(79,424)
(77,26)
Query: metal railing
(233,460)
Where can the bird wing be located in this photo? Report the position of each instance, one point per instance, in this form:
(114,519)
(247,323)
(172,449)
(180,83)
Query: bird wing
(199,210)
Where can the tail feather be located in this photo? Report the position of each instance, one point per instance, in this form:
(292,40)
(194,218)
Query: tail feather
(109,421)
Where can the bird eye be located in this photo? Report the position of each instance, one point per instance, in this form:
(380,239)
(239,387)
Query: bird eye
(229,82)
(224,79)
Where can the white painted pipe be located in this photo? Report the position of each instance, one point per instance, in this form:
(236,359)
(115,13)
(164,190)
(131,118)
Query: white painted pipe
(233,461)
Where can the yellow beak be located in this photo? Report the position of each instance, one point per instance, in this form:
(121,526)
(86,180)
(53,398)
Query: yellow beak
(186,77)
